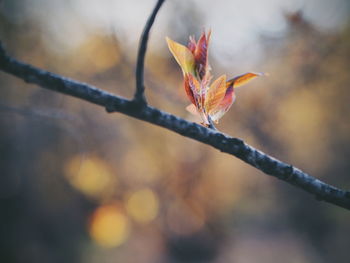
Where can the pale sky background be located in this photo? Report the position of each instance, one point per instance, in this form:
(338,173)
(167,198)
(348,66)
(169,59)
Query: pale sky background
(236,25)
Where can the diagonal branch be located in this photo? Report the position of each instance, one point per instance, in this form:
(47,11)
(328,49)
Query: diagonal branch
(220,141)
(140,88)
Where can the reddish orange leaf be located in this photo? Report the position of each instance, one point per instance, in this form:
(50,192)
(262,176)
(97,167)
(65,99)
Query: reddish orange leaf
(192,88)
(225,103)
(201,53)
(192,109)
(214,100)
(243,79)
(215,93)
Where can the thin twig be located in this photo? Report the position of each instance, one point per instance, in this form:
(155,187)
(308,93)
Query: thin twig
(220,141)
(139,96)
(211,123)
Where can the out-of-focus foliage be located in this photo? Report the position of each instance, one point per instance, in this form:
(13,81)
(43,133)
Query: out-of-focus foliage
(80,185)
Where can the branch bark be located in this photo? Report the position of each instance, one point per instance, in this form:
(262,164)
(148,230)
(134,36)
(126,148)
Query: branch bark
(140,88)
(214,138)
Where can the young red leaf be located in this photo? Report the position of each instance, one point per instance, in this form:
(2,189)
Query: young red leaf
(215,93)
(244,79)
(207,100)
(225,103)
(201,54)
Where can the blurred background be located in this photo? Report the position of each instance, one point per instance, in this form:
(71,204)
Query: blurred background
(80,185)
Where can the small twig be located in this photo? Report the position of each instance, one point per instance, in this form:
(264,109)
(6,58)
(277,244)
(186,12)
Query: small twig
(211,124)
(139,96)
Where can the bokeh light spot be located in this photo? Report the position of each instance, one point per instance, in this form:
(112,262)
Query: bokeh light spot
(91,175)
(143,205)
(109,227)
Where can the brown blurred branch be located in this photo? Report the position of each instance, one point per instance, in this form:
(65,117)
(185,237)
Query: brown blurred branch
(220,141)
(140,88)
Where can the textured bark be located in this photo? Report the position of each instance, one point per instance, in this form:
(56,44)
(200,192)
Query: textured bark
(138,108)
(140,88)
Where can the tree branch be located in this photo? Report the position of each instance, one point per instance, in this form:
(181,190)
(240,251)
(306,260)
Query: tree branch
(220,141)
(139,96)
